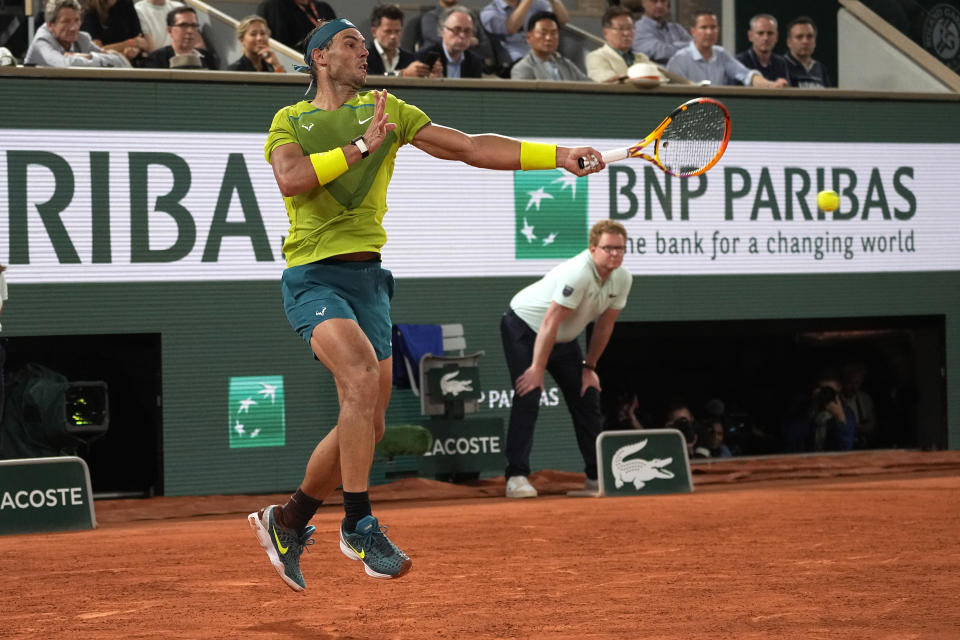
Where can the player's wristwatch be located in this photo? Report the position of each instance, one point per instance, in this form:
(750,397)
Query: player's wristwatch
(361,145)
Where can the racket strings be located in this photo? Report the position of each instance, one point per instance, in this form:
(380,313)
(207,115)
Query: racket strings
(694,137)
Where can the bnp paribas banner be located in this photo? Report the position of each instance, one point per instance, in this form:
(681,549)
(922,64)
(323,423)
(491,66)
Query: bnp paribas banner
(106,206)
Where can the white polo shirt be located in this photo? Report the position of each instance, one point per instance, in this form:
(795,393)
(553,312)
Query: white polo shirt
(574,284)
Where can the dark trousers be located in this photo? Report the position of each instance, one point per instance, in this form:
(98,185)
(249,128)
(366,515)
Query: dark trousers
(565,365)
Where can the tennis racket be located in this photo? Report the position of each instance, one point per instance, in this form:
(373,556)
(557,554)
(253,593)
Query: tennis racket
(687,143)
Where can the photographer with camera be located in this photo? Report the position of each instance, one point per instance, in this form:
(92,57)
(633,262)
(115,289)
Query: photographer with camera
(624,413)
(680,418)
(832,423)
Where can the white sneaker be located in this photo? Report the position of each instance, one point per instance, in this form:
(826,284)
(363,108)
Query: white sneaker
(520,487)
(591,485)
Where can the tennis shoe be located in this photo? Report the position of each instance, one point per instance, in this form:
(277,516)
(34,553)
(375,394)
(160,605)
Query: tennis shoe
(369,544)
(591,485)
(283,546)
(520,487)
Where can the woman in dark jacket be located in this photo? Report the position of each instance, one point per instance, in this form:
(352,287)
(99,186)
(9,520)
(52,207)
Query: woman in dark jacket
(254,36)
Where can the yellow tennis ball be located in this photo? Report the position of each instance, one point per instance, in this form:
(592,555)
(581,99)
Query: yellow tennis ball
(828,200)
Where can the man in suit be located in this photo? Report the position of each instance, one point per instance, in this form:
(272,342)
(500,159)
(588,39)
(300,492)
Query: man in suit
(386,57)
(453,53)
(425,29)
(610,62)
(544,62)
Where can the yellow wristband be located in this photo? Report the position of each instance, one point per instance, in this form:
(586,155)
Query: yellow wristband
(534,155)
(330,165)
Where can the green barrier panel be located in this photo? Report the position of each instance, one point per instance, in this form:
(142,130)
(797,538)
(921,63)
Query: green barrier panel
(651,461)
(45,494)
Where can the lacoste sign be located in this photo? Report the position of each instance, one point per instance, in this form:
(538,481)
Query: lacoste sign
(45,494)
(647,461)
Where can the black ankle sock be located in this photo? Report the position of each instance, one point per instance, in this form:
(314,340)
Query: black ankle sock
(298,511)
(356,506)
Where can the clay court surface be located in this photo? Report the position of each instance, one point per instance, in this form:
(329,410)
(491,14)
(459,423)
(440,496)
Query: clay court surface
(857,546)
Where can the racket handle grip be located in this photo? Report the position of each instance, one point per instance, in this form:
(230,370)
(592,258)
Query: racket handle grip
(608,157)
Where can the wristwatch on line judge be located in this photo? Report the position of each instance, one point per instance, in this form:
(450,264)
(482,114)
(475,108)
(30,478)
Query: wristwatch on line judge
(359,143)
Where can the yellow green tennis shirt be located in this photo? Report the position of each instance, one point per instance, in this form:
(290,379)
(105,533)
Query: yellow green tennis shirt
(345,215)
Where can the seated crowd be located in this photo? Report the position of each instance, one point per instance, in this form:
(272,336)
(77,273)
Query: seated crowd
(518,39)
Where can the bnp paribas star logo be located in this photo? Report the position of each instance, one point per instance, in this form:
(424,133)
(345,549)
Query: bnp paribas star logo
(551,214)
(256,412)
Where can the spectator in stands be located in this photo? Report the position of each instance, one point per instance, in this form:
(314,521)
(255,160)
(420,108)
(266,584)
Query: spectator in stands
(703,61)
(453,53)
(59,42)
(760,56)
(610,62)
(115,26)
(505,21)
(544,62)
(805,72)
(153,20)
(426,30)
(183,51)
(654,36)
(386,57)
(291,20)
(254,36)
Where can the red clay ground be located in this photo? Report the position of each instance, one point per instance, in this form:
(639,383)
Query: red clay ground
(860,546)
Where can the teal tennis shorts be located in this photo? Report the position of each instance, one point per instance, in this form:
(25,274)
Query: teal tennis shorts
(331,288)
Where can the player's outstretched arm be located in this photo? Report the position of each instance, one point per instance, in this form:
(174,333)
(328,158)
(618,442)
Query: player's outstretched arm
(492,151)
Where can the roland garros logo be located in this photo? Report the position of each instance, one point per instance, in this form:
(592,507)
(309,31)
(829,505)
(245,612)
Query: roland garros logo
(941,34)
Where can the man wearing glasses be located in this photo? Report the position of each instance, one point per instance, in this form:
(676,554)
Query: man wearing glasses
(183,52)
(610,62)
(539,334)
(453,51)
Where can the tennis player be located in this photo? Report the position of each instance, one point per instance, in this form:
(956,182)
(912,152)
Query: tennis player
(333,158)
